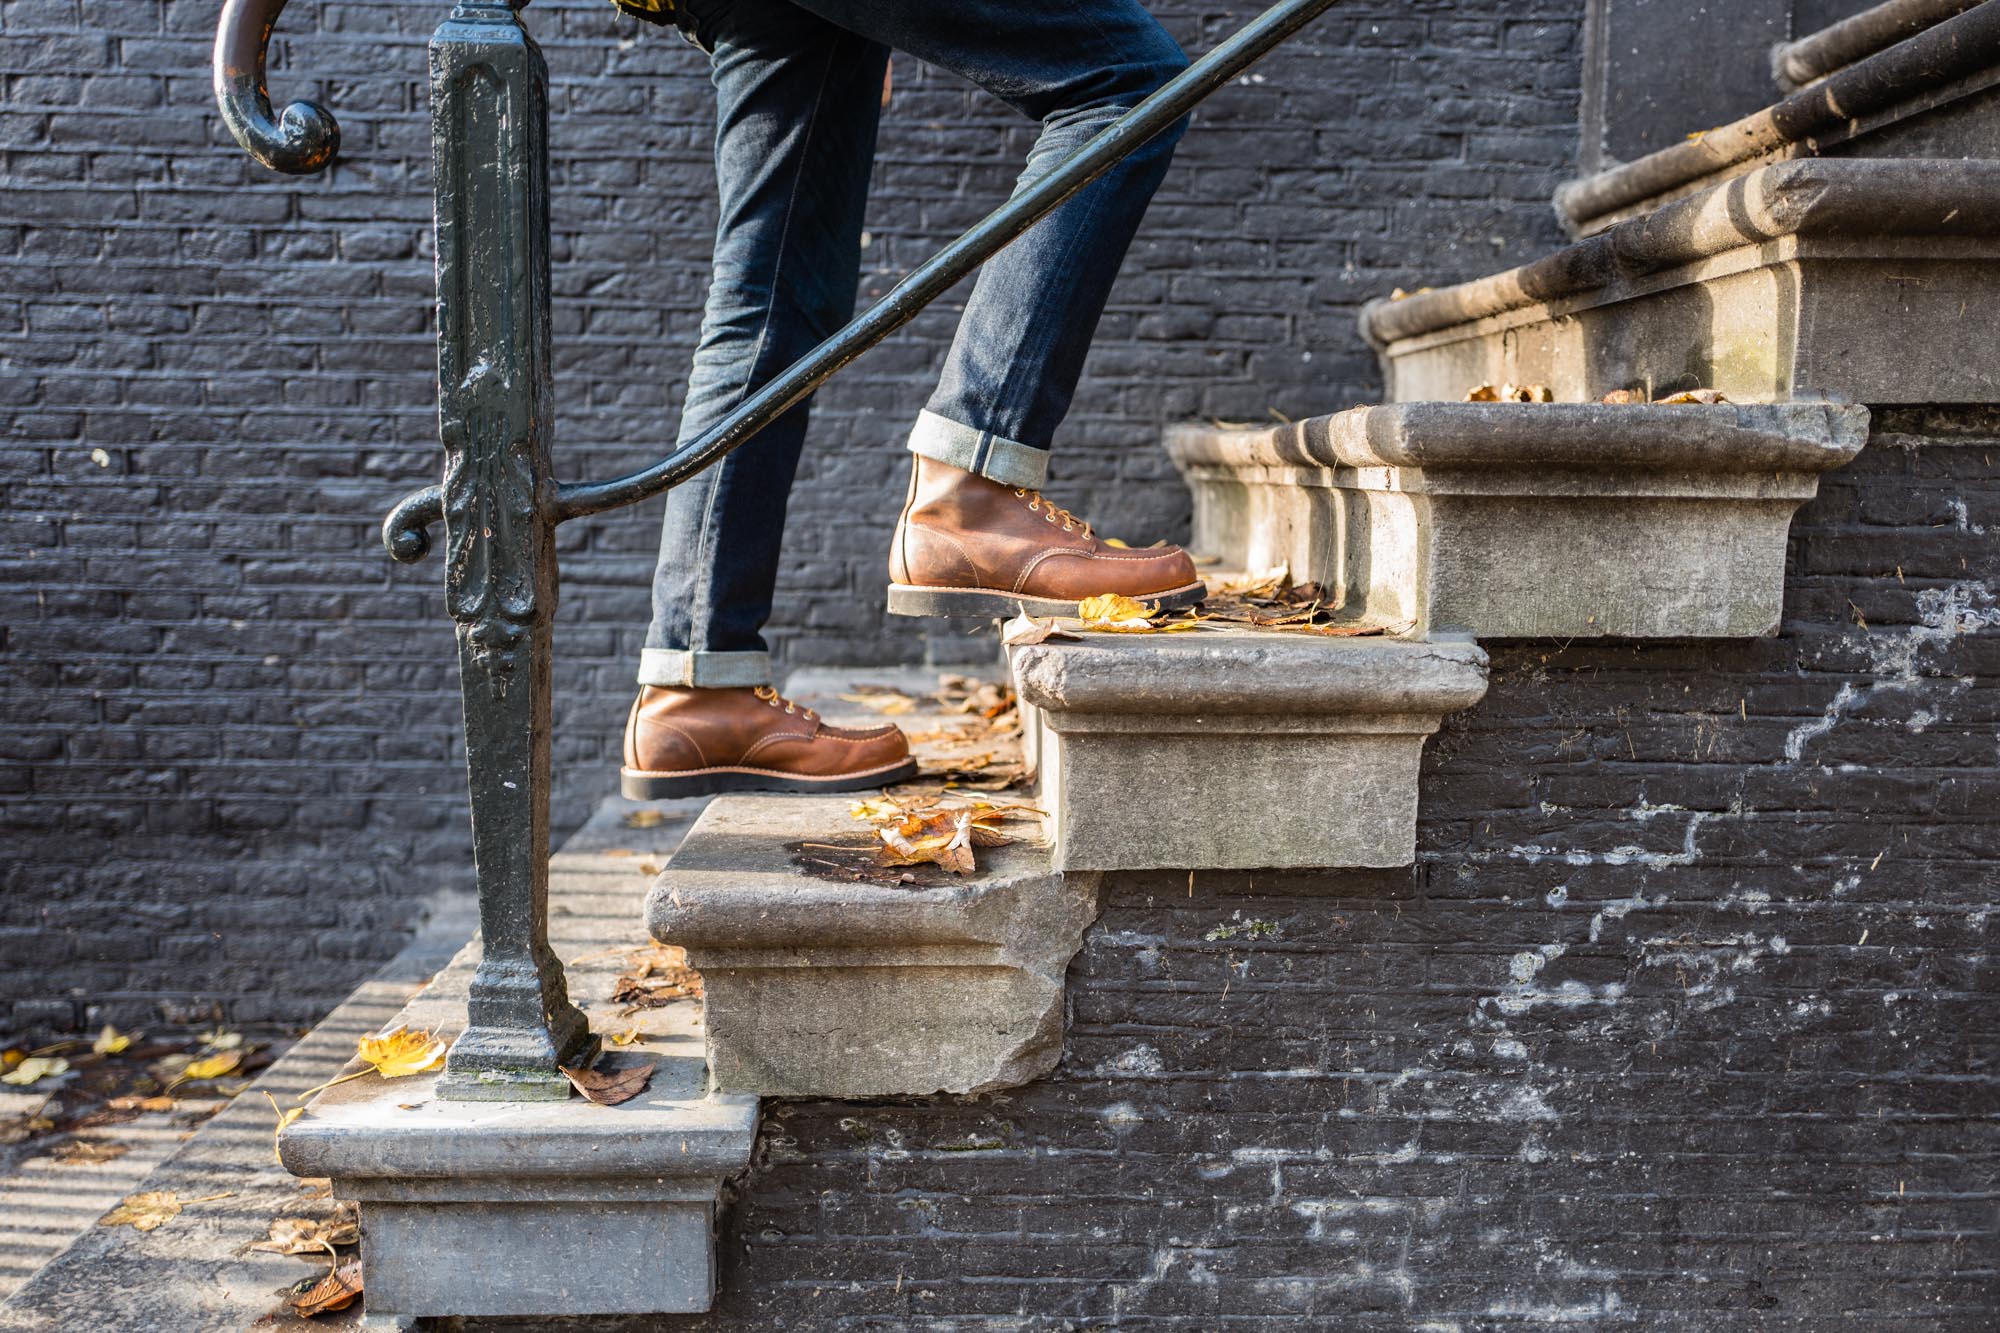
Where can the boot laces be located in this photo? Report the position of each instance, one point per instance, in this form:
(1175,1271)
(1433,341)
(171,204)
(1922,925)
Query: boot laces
(1053,512)
(771,696)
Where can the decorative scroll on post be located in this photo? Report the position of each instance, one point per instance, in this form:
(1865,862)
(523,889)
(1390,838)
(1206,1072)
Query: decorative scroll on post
(489,109)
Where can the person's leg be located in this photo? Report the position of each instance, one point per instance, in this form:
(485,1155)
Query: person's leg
(1075,67)
(975,538)
(797,104)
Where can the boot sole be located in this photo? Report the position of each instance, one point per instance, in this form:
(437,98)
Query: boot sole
(987,603)
(637,785)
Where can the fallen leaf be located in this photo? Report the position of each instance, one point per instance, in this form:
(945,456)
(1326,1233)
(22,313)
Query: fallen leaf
(645,819)
(1625,397)
(625,1038)
(311,1235)
(141,1104)
(88,1152)
(403,1051)
(152,1210)
(657,976)
(111,1041)
(33,1068)
(397,1053)
(213,1066)
(1114,613)
(1024,631)
(610,1087)
(872,808)
(336,1291)
(1704,397)
(1511,393)
(943,839)
(218,1040)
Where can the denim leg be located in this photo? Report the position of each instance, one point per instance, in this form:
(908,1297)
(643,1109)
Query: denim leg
(798,101)
(1021,343)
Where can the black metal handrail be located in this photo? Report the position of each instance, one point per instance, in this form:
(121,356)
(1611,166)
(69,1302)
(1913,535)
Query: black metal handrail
(499,501)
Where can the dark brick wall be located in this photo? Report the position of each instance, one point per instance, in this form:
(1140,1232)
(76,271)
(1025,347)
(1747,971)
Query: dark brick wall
(1685,1019)
(229,764)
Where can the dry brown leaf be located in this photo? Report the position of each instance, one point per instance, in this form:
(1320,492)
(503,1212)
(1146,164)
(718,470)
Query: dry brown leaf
(1704,397)
(943,839)
(610,1087)
(336,1291)
(312,1235)
(881,699)
(152,1210)
(1511,393)
(89,1152)
(1024,631)
(657,976)
(1625,397)
(141,1104)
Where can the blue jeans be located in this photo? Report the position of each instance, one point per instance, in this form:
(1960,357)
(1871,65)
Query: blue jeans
(798,91)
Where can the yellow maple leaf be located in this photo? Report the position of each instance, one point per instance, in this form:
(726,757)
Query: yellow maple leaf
(213,1066)
(402,1052)
(111,1041)
(33,1068)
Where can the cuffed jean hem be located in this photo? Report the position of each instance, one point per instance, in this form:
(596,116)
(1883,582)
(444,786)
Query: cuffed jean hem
(994,457)
(677,668)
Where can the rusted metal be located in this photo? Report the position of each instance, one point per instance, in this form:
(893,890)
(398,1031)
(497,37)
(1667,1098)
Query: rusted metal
(301,139)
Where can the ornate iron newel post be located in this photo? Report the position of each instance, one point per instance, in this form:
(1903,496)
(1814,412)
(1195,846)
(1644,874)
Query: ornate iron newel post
(489,108)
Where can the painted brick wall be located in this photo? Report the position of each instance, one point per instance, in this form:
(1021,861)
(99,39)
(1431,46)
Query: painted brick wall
(1684,1020)
(229,765)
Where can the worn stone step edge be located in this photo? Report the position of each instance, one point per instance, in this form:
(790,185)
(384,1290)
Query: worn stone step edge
(1955,58)
(1885,200)
(1815,55)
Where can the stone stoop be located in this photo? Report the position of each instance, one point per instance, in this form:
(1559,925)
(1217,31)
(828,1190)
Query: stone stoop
(1566,520)
(543,1208)
(1865,281)
(827,976)
(1920,83)
(1240,749)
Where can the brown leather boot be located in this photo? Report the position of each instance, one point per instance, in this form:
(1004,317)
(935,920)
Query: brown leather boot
(967,546)
(696,742)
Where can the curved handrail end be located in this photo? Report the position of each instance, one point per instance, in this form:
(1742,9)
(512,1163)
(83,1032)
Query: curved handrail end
(301,139)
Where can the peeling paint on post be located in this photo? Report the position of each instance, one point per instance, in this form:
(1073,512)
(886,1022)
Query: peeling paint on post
(489,107)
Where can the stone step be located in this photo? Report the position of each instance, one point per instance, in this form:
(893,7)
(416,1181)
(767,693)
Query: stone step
(1856,280)
(1928,87)
(826,975)
(1810,58)
(1570,520)
(1237,748)
(521,1209)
